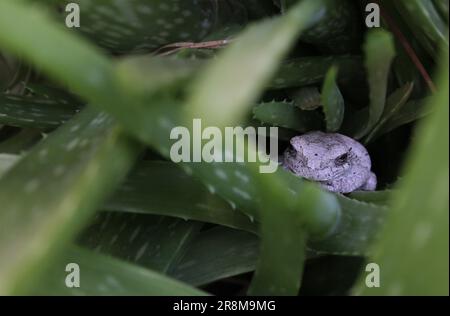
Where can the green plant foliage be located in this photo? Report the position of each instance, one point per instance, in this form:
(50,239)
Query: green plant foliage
(74,159)
(126,236)
(105,275)
(425,22)
(285,114)
(258,65)
(338,29)
(333,102)
(176,247)
(410,112)
(216,254)
(34,113)
(394,104)
(304,71)
(7,161)
(419,213)
(379,50)
(138,194)
(86,116)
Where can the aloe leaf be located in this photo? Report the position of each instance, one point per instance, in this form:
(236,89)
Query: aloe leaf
(255,66)
(154,242)
(150,123)
(20,142)
(330,275)
(410,112)
(104,275)
(7,161)
(426,24)
(379,51)
(48,91)
(145,192)
(219,253)
(140,26)
(406,72)
(285,114)
(197,258)
(281,261)
(145,75)
(442,6)
(33,113)
(356,230)
(6,72)
(311,70)
(173,246)
(337,31)
(394,104)
(419,212)
(133,197)
(307,98)
(92,75)
(332,101)
(237,182)
(64,178)
(377,197)
(216,254)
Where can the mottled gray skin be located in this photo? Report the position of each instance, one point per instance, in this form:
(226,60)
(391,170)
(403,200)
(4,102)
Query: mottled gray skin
(339,163)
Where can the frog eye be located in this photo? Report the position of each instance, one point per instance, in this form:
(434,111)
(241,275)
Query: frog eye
(342,159)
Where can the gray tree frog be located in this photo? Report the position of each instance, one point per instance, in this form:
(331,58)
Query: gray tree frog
(339,163)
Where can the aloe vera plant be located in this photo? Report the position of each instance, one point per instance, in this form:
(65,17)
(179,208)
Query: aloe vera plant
(87,176)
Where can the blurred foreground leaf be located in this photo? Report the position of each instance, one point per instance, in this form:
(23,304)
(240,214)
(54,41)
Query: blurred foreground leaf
(414,248)
(104,275)
(51,192)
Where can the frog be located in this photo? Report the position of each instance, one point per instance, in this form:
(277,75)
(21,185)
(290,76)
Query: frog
(337,162)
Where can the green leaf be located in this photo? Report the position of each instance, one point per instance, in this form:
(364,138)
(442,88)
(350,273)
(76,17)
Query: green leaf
(7,161)
(163,188)
(379,51)
(426,24)
(152,119)
(410,112)
(51,92)
(53,190)
(140,195)
(104,275)
(155,242)
(255,66)
(144,75)
(216,254)
(332,101)
(284,114)
(357,229)
(35,113)
(419,213)
(140,26)
(173,246)
(20,142)
(281,260)
(394,103)
(151,124)
(337,31)
(376,197)
(442,6)
(311,70)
